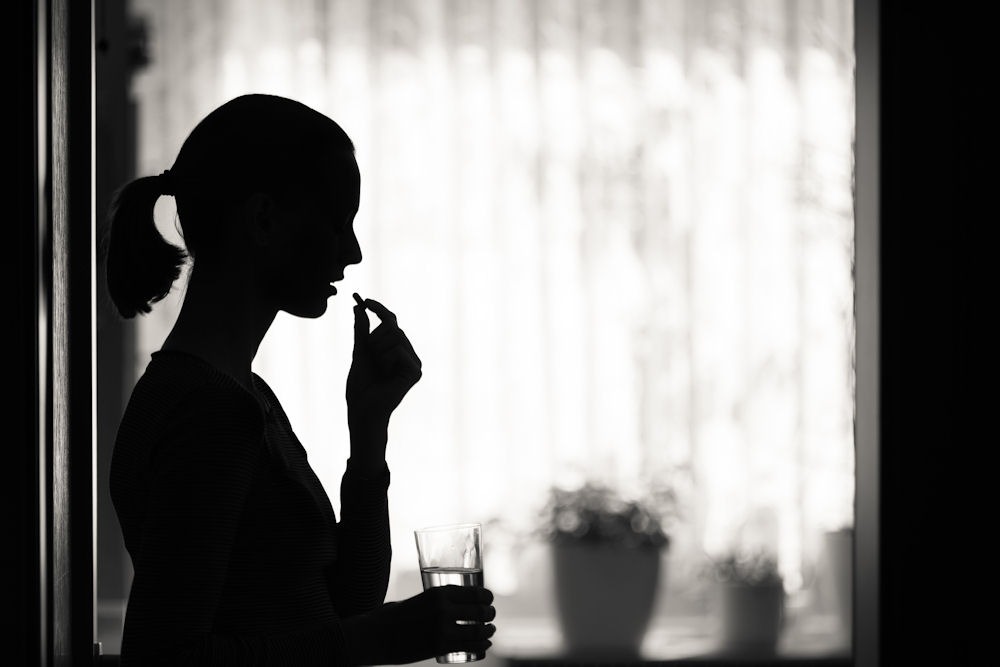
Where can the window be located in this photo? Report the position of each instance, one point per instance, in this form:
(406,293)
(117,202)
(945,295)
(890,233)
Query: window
(620,236)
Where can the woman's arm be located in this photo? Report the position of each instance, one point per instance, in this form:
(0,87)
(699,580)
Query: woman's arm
(384,368)
(360,577)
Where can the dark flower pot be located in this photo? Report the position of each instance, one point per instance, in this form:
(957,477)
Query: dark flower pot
(604,597)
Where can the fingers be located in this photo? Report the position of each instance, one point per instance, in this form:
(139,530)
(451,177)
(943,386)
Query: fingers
(396,346)
(386,337)
(383,313)
(404,375)
(468,636)
(392,350)
(398,367)
(466,603)
(384,340)
(401,359)
(464,616)
(477,613)
(476,635)
(361,322)
(474,638)
(465,594)
(387,347)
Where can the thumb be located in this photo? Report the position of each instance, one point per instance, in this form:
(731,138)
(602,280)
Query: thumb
(361,323)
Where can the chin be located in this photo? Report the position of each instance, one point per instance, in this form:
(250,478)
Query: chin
(310,310)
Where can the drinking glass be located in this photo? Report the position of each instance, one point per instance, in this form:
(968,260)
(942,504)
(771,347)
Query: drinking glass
(451,554)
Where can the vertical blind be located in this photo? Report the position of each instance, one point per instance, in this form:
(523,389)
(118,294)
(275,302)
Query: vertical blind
(618,233)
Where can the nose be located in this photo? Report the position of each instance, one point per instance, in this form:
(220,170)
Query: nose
(352,249)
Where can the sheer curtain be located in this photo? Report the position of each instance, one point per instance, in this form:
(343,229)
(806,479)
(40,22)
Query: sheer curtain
(619,235)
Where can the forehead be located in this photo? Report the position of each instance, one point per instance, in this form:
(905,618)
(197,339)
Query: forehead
(353,181)
(336,185)
(342,181)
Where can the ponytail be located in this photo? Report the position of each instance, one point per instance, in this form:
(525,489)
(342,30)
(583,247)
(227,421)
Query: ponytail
(141,264)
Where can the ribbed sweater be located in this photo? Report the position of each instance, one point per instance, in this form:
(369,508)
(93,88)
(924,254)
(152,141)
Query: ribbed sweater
(237,554)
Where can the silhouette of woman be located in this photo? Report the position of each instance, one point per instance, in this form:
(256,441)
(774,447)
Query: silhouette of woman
(238,557)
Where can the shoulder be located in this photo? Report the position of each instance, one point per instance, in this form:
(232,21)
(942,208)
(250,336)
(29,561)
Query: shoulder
(190,385)
(178,394)
(267,395)
(184,415)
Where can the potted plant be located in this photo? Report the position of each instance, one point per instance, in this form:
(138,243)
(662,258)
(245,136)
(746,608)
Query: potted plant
(607,550)
(750,601)
(838,556)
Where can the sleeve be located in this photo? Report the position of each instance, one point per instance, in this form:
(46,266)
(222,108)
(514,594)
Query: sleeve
(199,481)
(360,576)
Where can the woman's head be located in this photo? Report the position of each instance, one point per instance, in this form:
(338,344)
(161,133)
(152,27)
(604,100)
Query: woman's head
(257,160)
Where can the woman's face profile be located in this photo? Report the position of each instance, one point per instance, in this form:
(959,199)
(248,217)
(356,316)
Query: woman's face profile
(319,242)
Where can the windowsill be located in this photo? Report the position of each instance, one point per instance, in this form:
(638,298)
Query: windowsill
(672,638)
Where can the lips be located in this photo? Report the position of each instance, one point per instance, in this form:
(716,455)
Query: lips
(333,288)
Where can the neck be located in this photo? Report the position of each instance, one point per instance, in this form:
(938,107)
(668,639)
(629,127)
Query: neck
(222,323)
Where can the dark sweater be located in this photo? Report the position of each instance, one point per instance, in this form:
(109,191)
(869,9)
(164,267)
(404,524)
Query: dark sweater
(238,557)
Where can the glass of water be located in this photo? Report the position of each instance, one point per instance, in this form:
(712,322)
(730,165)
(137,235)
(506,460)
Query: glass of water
(452,554)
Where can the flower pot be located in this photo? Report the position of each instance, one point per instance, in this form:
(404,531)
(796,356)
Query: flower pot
(839,546)
(604,597)
(751,616)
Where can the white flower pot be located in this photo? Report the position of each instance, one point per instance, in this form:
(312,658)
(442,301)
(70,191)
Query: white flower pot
(839,546)
(605,597)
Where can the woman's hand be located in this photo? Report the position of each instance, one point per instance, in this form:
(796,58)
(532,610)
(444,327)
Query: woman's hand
(383,369)
(424,626)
